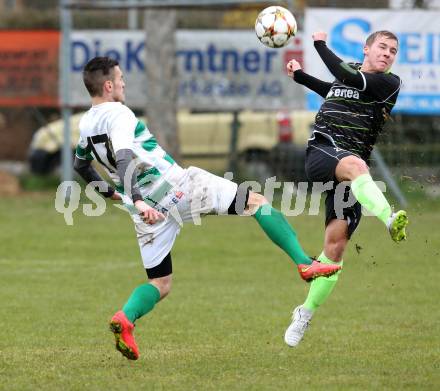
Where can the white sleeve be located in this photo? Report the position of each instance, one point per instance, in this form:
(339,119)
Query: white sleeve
(121,129)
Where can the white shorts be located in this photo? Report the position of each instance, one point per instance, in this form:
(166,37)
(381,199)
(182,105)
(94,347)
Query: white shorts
(196,193)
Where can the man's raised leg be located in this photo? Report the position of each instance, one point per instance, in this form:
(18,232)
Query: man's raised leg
(354,169)
(278,229)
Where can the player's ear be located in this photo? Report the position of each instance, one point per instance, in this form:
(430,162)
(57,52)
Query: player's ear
(366,49)
(108,86)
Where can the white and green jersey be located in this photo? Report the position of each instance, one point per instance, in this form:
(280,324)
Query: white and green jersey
(109,127)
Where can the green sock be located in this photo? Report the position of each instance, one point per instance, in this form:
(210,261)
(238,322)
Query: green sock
(370,197)
(273,222)
(141,301)
(321,287)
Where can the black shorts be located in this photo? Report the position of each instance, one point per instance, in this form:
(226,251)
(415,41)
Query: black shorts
(320,166)
(165,268)
(239,203)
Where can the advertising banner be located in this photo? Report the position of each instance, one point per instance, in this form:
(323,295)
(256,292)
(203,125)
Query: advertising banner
(29,68)
(417,62)
(217,70)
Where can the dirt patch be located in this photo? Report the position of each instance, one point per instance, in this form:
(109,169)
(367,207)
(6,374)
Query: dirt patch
(9,184)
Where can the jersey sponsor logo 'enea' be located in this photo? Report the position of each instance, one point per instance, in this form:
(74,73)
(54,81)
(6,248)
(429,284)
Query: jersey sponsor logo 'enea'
(343,93)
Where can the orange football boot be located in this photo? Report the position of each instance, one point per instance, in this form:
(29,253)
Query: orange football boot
(317,269)
(122,328)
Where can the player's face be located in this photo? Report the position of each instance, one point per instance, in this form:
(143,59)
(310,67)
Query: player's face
(380,56)
(118,93)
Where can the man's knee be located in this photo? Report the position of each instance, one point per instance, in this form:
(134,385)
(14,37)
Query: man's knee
(163,284)
(255,201)
(350,167)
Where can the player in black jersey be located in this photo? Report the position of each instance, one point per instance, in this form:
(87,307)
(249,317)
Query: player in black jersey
(346,127)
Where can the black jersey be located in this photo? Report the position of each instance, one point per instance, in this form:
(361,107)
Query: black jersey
(352,118)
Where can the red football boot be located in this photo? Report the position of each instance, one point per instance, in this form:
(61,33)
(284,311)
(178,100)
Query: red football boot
(122,328)
(317,269)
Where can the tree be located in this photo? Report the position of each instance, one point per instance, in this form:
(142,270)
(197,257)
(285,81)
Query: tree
(162,78)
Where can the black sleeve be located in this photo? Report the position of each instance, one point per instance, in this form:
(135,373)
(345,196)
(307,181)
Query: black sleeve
(340,69)
(88,173)
(320,87)
(123,159)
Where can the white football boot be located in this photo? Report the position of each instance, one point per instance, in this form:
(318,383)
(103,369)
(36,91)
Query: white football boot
(300,321)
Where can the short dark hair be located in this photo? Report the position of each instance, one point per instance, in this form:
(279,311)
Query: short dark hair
(382,33)
(96,72)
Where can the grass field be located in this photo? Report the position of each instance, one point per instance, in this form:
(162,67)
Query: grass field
(222,326)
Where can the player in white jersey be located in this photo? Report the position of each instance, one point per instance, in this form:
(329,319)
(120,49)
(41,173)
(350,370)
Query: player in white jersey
(160,194)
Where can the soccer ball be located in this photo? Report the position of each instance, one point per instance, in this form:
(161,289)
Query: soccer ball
(275,26)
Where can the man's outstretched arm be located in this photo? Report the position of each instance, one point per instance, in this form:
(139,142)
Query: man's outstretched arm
(320,87)
(338,68)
